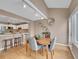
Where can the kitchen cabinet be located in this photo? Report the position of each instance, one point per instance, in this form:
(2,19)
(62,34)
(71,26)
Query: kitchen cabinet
(23,26)
(10,25)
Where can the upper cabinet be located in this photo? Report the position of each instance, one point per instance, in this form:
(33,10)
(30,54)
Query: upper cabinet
(7,26)
(23,26)
(2,29)
(12,26)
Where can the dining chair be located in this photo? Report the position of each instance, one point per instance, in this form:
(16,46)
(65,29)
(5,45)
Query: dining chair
(52,35)
(33,45)
(52,46)
(38,36)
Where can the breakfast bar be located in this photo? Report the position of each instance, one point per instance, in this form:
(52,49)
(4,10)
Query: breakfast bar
(10,40)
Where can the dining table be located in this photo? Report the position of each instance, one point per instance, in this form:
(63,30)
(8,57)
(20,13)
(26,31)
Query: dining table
(45,42)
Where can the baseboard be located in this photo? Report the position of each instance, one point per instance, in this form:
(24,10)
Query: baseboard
(62,44)
(72,52)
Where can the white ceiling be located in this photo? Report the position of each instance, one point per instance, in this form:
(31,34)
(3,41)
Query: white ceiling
(16,7)
(57,3)
(6,19)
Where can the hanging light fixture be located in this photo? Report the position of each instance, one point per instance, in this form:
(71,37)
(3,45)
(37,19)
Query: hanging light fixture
(42,17)
(51,21)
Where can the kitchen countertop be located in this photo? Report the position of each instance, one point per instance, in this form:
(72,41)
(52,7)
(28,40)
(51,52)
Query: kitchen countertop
(10,35)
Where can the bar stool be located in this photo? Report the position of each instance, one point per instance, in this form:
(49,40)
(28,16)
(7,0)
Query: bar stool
(20,41)
(6,43)
(11,43)
(17,41)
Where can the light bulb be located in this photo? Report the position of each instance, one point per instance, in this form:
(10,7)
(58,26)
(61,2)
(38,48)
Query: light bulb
(24,6)
(36,14)
(42,17)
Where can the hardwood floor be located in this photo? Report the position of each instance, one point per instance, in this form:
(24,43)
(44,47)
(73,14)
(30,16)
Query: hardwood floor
(20,53)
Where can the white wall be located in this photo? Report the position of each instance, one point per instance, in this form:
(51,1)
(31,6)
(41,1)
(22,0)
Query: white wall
(32,28)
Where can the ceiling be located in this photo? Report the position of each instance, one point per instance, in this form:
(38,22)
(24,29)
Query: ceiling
(16,7)
(6,19)
(57,3)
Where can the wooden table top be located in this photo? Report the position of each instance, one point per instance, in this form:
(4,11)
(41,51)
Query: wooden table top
(44,41)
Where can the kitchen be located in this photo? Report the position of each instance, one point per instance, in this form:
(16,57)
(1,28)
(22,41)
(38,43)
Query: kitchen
(11,31)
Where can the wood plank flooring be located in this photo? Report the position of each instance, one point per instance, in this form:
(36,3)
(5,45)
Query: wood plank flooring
(20,53)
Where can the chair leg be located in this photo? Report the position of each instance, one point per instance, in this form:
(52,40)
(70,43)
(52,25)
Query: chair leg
(30,51)
(26,47)
(46,53)
(52,53)
(35,54)
(42,51)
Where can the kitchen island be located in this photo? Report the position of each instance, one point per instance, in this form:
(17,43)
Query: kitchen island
(11,36)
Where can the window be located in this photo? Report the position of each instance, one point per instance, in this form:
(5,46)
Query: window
(77,27)
(2,29)
(74,28)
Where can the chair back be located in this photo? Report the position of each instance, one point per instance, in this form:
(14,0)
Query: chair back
(52,44)
(52,35)
(32,43)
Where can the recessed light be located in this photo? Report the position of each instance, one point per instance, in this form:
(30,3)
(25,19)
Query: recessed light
(36,14)
(42,17)
(24,6)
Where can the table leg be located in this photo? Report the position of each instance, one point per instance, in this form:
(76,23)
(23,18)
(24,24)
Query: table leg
(26,46)
(47,52)
(42,51)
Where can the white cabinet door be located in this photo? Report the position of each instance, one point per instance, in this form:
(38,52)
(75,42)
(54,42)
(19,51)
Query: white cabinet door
(10,25)
(23,26)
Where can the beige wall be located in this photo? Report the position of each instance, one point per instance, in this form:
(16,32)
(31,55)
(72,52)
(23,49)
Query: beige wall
(59,28)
